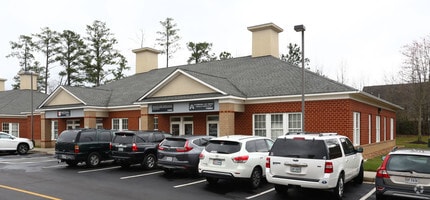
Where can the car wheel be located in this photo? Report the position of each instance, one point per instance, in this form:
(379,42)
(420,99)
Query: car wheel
(211,181)
(149,161)
(71,163)
(359,178)
(255,178)
(22,148)
(338,190)
(93,160)
(281,189)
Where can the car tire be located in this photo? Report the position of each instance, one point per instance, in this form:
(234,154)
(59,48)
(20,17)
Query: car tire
(22,149)
(359,178)
(71,163)
(149,162)
(339,189)
(281,189)
(212,181)
(256,177)
(93,160)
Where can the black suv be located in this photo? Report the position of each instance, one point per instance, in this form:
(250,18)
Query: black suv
(134,147)
(84,145)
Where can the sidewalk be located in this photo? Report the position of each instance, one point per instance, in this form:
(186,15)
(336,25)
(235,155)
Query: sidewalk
(368,175)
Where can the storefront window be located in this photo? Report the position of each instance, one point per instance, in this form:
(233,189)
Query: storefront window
(99,123)
(120,124)
(275,125)
(54,129)
(155,123)
(73,124)
(11,128)
(212,125)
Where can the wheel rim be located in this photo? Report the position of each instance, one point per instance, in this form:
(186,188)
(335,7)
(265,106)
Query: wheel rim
(150,162)
(256,178)
(340,187)
(94,160)
(22,149)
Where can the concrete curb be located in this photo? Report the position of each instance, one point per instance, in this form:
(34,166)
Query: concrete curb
(369,176)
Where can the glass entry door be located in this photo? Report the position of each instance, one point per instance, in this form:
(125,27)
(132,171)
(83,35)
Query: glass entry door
(181,126)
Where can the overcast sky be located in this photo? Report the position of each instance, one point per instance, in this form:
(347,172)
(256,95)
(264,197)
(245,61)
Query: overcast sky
(364,36)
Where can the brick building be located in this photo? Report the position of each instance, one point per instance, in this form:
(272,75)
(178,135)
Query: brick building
(252,95)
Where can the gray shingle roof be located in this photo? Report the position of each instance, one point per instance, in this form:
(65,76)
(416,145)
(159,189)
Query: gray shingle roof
(244,77)
(18,102)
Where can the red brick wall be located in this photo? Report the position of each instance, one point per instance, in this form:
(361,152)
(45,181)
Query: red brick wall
(320,116)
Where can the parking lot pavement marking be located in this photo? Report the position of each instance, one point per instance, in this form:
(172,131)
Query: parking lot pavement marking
(368,194)
(187,184)
(140,175)
(261,193)
(54,166)
(96,170)
(29,192)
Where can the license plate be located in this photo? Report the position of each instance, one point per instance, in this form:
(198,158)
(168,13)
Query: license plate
(411,180)
(217,162)
(169,158)
(120,149)
(296,169)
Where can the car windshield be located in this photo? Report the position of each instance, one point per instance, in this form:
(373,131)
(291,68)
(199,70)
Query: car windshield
(300,148)
(67,136)
(224,147)
(409,163)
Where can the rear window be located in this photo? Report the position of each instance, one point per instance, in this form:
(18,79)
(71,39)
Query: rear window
(67,136)
(224,147)
(311,149)
(174,142)
(409,163)
(123,138)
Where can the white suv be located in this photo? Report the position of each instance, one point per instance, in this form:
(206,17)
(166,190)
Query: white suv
(235,156)
(320,161)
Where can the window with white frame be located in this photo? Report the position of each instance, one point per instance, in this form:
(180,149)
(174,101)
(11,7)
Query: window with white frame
(11,128)
(378,128)
(120,124)
(385,128)
(54,129)
(73,124)
(212,125)
(155,123)
(99,123)
(391,128)
(274,125)
(370,129)
(356,128)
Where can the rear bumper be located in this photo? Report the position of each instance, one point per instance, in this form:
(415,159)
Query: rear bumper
(326,183)
(128,157)
(70,156)
(411,191)
(214,174)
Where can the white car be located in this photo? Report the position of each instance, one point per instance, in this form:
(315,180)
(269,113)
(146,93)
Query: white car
(235,157)
(319,161)
(14,144)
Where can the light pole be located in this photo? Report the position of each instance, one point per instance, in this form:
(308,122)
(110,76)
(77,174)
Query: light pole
(301,28)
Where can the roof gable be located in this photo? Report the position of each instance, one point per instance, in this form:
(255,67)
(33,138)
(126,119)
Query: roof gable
(61,96)
(181,83)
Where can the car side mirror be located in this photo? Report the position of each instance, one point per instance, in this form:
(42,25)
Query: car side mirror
(359,150)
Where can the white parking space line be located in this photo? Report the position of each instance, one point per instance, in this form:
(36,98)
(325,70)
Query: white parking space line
(368,194)
(261,193)
(96,170)
(187,184)
(140,175)
(28,162)
(54,166)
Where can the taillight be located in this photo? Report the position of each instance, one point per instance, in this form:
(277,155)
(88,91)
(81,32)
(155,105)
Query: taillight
(110,145)
(134,147)
(186,148)
(201,156)
(76,148)
(328,168)
(240,159)
(381,172)
(268,162)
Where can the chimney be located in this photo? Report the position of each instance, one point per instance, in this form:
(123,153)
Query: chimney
(2,81)
(26,78)
(265,40)
(146,59)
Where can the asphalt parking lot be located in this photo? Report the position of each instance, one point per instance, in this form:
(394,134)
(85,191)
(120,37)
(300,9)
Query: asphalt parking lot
(40,176)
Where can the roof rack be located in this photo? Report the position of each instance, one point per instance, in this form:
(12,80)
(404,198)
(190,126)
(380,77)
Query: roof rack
(295,133)
(327,134)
